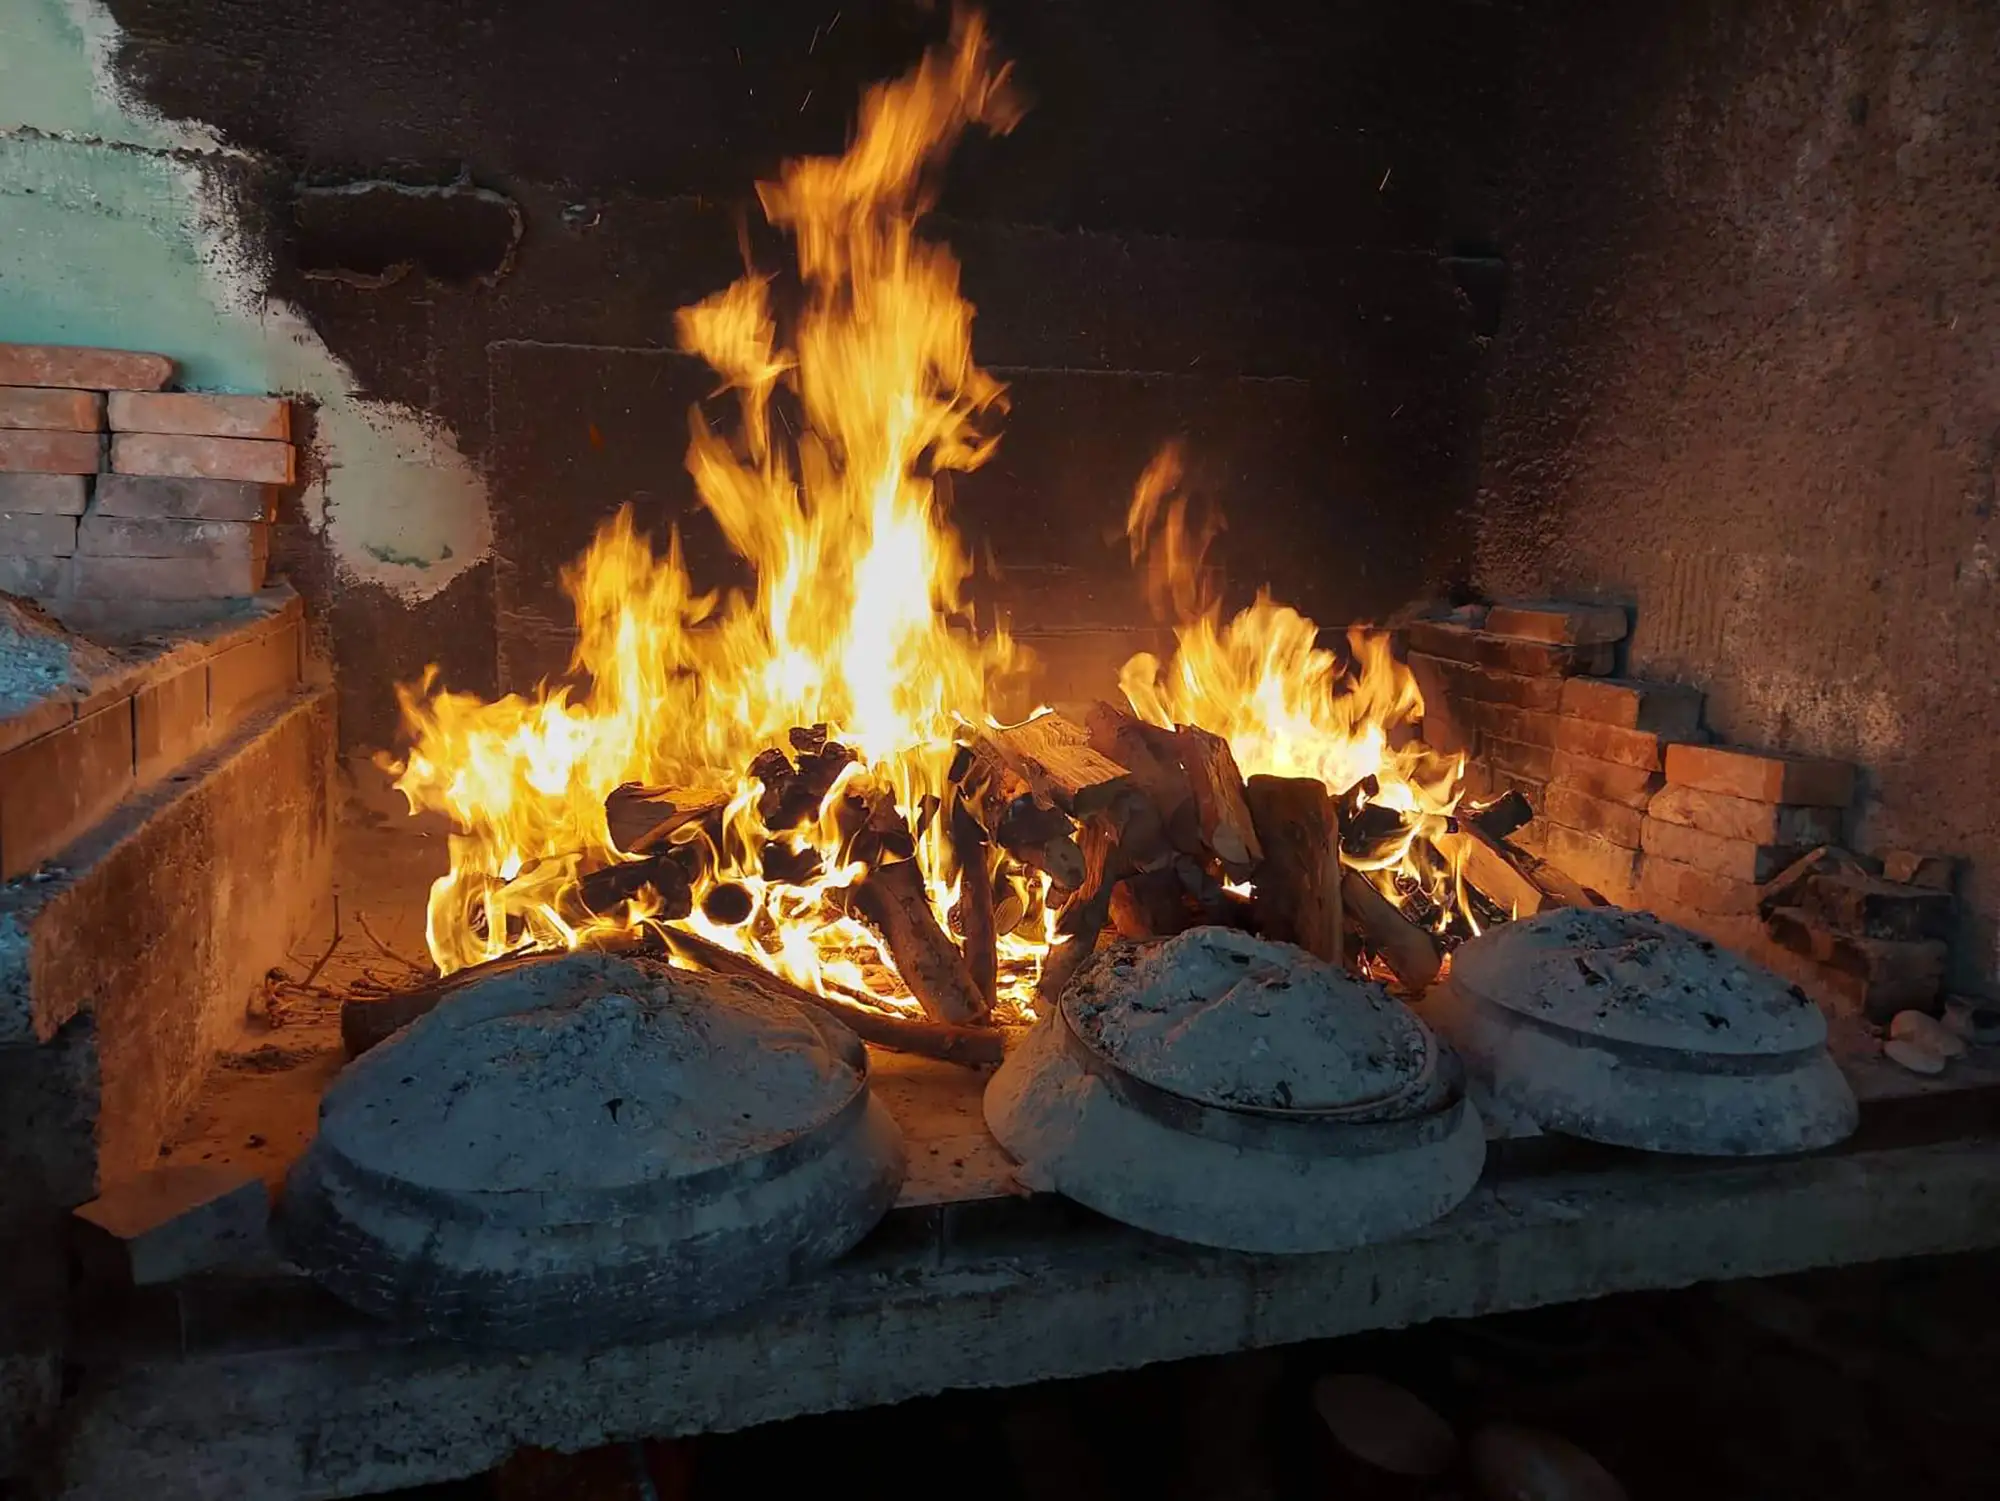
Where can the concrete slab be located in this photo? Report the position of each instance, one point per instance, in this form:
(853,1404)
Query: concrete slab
(247,1391)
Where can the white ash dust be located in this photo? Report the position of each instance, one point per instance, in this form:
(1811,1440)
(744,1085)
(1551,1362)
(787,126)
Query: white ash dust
(39,658)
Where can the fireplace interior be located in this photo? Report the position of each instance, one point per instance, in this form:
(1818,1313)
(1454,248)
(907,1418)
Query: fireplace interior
(708,717)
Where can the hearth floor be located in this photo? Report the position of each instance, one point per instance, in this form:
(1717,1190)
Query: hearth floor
(259,1384)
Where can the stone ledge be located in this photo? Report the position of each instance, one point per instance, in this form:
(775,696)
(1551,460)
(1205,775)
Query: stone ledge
(327,1407)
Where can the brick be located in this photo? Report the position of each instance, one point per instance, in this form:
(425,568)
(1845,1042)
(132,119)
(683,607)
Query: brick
(86,369)
(34,534)
(1611,870)
(1462,680)
(27,452)
(1560,624)
(1881,976)
(1853,901)
(166,578)
(1670,884)
(1574,809)
(1910,868)
(170,1222)
(1512,757)
(159,497)
(38,578)
(1607,742)
(1461,643)
(1760,777)
(1672,710)
(1739,859)
(255,673)
(200,414)
(188,456)
(133,537)
(1633,786)
(52,409)
(54,788)
(35,720)
(44,494)
(170,721)
(1740,818)
(1504,722)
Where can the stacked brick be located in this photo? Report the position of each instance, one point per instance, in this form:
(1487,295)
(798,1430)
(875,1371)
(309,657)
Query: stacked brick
(114,488)
(1878,935)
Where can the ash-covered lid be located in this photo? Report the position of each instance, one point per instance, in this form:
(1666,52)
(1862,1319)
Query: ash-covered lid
(587,1072)
(1632,977)
(1227,1019)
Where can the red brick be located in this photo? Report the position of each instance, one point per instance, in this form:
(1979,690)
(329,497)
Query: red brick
(1633,786)
(159,497)
(1578,810)
(44,494)
(166,578)
(193,412)
(1511,757)
(86,369)
(1668,883)
(1504,722)
(1669,709)
(1460,643)
(26,452)
(1443,728)
(133,537)
(187,456)
(1740,818)
(1881,976)
(54,788)
(35,721)
(255,673)
(1607,742)
(33,535)
(1560,624)
(38,578)
(1609,869)
(1760,777)
(1462,680)
(51,408)
(1739,859)
(170,721)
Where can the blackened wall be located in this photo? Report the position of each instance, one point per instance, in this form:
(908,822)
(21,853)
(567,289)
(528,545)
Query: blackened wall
(1264,227)
(1749,378)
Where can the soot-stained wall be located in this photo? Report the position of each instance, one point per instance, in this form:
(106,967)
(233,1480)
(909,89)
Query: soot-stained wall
(1263,228)
(1748,379)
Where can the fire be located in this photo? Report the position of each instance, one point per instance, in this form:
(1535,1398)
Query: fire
(1286,705)
(845,407)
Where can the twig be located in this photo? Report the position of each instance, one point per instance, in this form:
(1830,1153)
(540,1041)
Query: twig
(313,973)
(413,967)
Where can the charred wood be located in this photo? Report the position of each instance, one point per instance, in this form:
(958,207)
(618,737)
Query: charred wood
(1218,796)
(974,912)
(1053,755)
(892,900)
(1411,954)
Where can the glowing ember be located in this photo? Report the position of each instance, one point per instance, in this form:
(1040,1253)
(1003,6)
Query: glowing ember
(856,621)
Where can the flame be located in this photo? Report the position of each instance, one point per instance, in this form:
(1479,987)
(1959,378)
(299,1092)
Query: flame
(856,620)
(1288,706)
(847,400)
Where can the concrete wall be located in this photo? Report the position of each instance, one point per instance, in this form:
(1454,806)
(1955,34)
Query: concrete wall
(1749,379)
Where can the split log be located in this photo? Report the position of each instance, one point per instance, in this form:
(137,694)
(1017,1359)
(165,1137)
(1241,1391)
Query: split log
(1054,757)
(1507,875)
(1041,838)
(1152,754)
(974,1047)
(643,819)
(1082,921)
(1298,880)
(1218,796)
(1411,953)
(974,915)
(605,888)
(892,900)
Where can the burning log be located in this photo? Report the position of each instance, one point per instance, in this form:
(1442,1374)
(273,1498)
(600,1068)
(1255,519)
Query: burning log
(893,901)
(1041,838)
(1411,953)
(643,819)
(1153,756)
(974,1047)
(1083,920)
(1054,757)
(974,913)
(1509,877)
(1226,826)
(662,871)
(1298,882)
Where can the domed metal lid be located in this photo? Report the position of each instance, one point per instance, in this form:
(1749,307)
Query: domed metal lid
(591,1074)
(1239,1023)
(1629,978)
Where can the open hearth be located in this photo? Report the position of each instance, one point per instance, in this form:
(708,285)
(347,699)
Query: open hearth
(865,832)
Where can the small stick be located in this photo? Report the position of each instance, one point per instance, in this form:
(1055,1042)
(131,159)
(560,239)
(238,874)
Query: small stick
(412,966)
(313,973)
